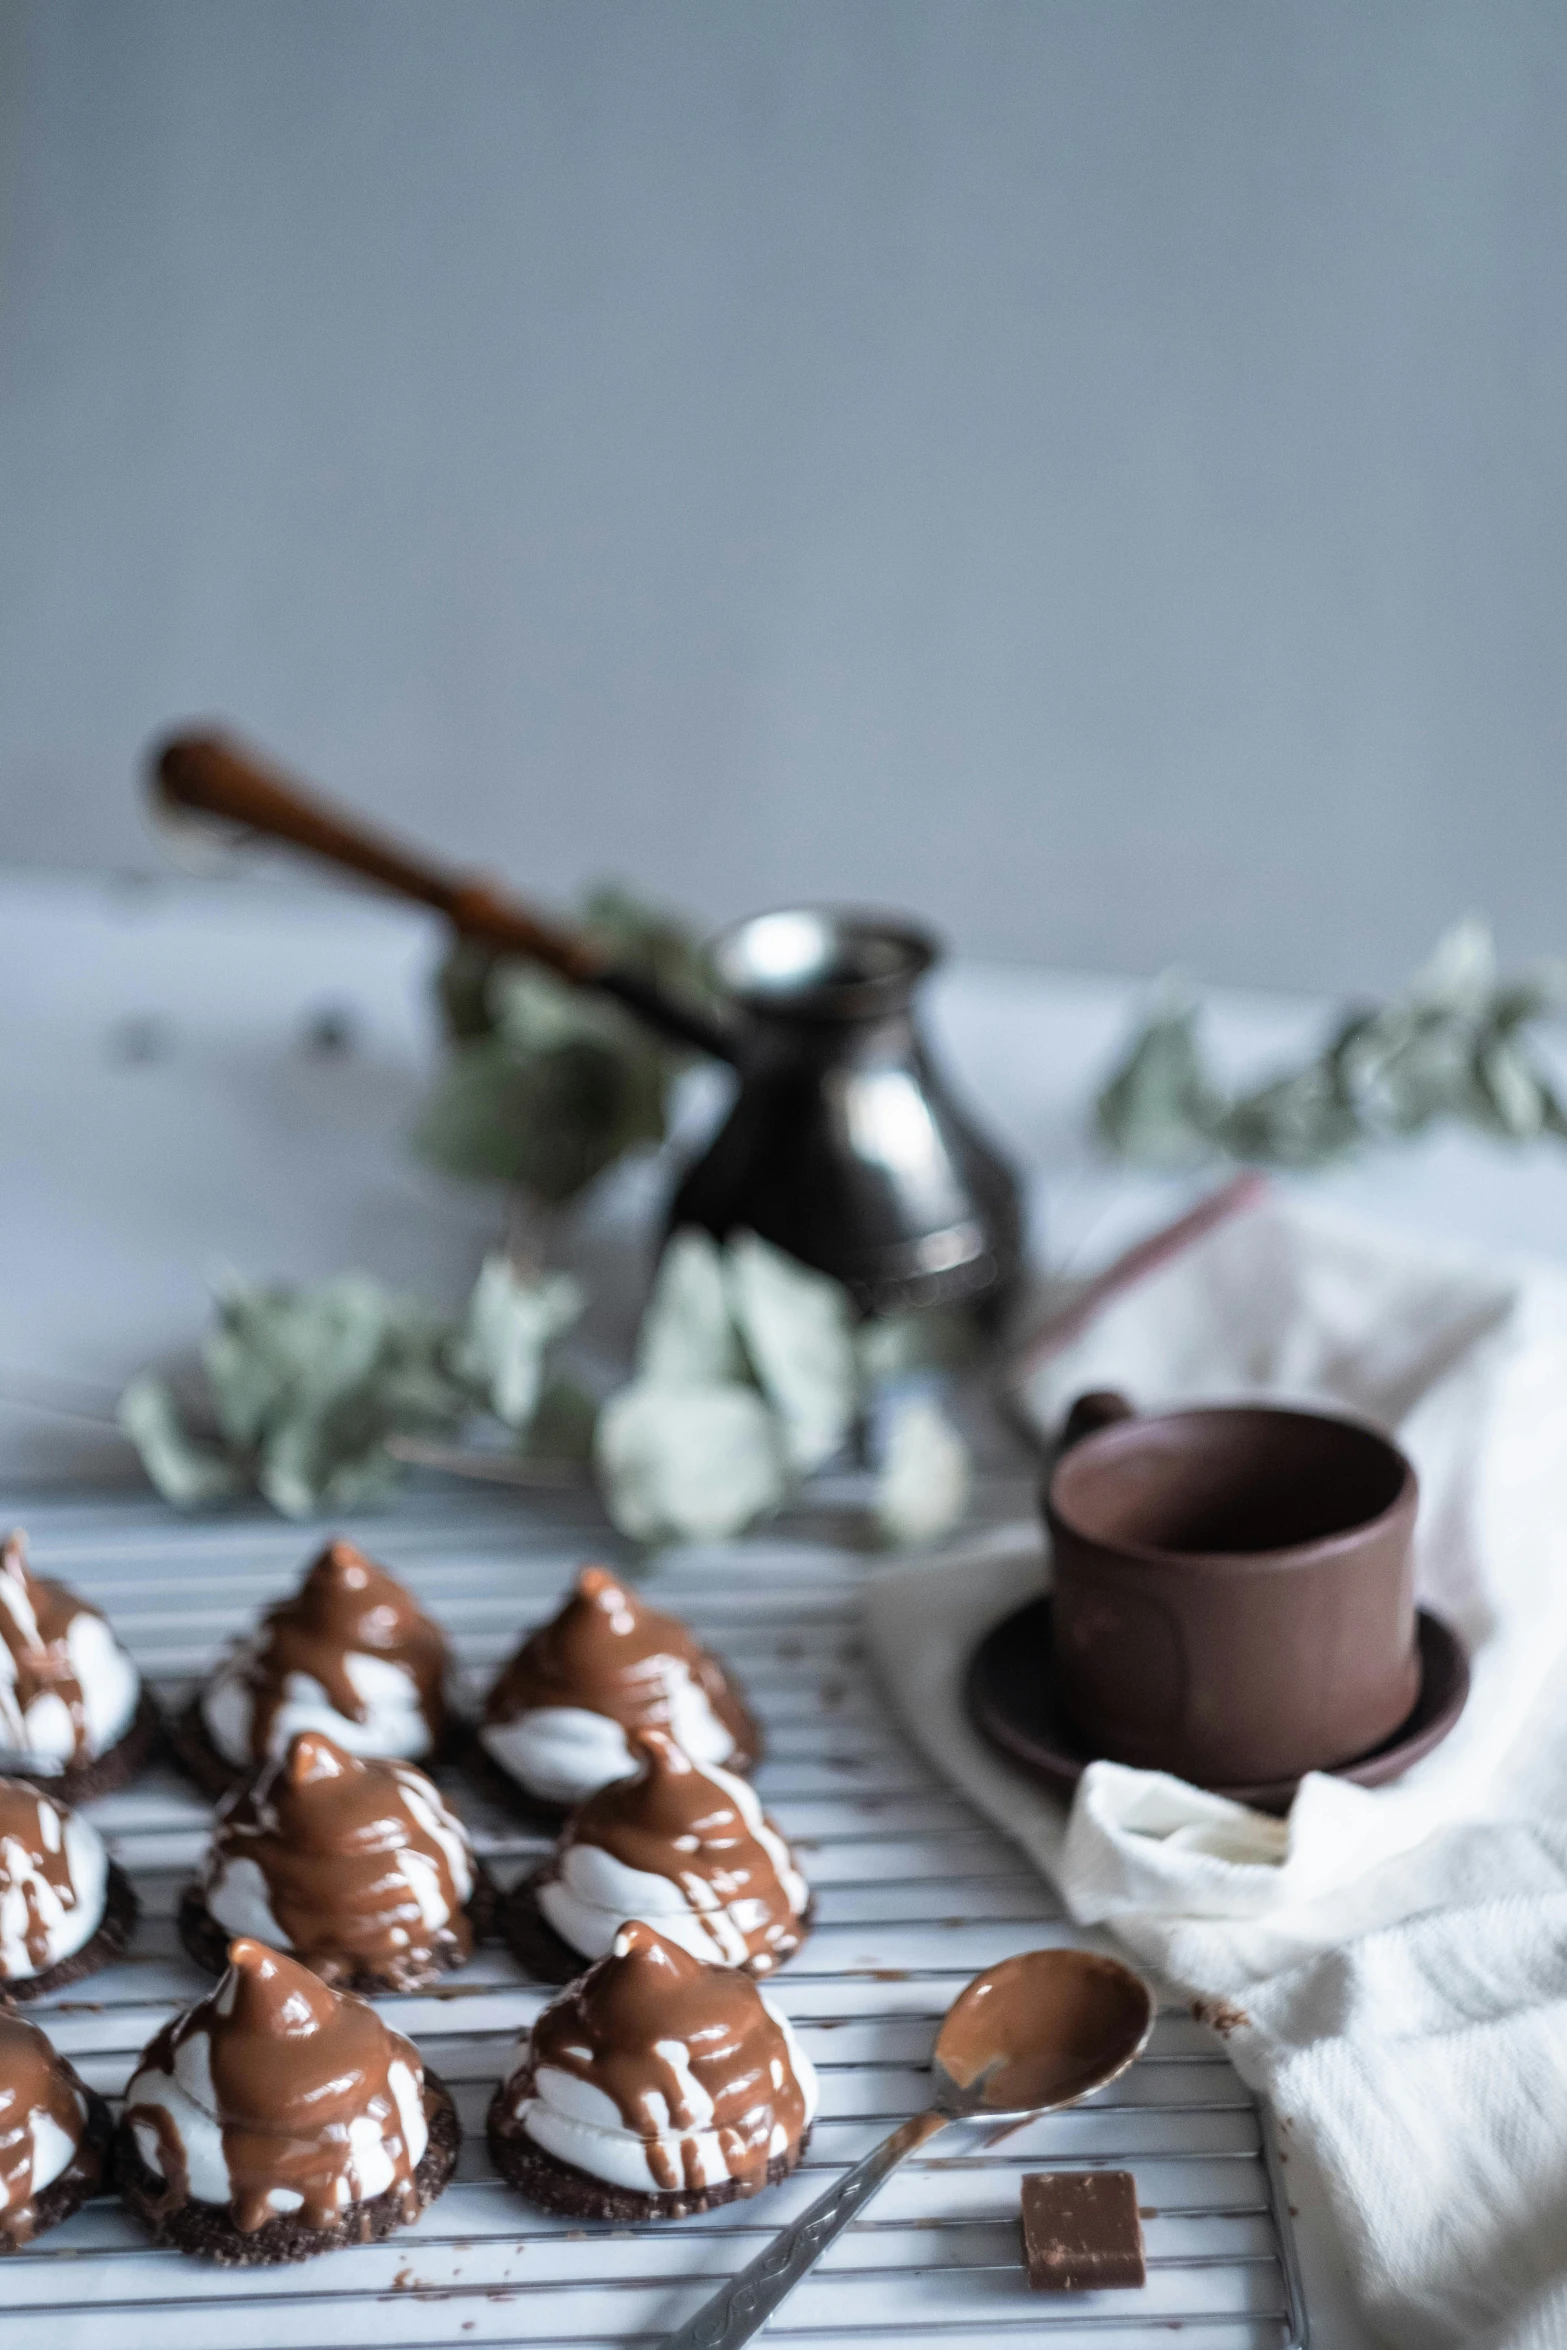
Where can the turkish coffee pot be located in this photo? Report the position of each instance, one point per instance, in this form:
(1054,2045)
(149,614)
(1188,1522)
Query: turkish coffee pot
(843,1145)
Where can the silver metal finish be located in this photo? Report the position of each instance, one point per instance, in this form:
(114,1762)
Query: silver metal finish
(915,1893)
(742,2306)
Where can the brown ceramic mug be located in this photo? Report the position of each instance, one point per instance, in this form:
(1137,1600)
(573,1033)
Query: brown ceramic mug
(1234,1588)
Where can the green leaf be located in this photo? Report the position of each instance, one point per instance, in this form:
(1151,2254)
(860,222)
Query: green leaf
(652,940)
(511,1319)
(688,1337)
(462,989)
(278,1351)
(308,1383)
(1160,1106)
(1449,1048)
(313,1381)
(309,1467)
(1513,1092)
(548,1116)
(190,1474)
(563,1424)
(798,1328)
(688,1463)
(923,1338)
(548,1084)
(923,1485)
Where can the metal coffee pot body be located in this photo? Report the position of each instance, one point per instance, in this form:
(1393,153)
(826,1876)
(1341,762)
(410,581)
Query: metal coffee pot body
(843,1145)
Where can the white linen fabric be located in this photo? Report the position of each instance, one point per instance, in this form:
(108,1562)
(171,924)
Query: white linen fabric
(1393,1963)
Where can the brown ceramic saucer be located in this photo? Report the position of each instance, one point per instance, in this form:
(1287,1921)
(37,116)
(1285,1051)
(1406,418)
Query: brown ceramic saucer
(1012,1702)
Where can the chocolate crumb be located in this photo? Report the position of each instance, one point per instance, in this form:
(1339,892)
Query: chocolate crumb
(1221,2016)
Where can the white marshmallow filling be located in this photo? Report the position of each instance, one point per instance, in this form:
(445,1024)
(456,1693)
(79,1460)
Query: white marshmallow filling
(593,1894)
(27,1896)
(394,1728)
(44,1731)
(187,2098)
(53,2148)
(563,1753)
(238,1896)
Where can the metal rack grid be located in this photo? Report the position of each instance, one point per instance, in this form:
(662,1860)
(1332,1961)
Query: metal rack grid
(915,1895)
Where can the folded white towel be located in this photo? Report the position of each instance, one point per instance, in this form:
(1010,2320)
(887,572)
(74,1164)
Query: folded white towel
(1395,1961)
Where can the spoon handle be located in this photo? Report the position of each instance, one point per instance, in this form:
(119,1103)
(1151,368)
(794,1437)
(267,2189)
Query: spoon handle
(745,2302)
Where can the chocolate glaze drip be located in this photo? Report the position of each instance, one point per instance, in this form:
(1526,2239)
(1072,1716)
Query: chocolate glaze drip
(33,2079)
(26,1820)
(608,1654)
(327,1829)
(35,1621)
(293,2063)
(675,1821)
(345,1604)
(610,2027)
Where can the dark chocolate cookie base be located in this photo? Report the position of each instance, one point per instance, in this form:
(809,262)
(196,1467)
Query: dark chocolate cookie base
(575,2194)
(545,1955)
(121,1909)
(216,1776)
(208,2232)
(207,1943)
(108,1772)
(196,1754)
(86,2174)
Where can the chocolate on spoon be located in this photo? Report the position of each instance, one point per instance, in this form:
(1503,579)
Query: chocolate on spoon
(1028,2036)
(1040,2031)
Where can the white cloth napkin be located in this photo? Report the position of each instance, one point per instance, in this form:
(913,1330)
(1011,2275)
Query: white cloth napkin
(1393,1963)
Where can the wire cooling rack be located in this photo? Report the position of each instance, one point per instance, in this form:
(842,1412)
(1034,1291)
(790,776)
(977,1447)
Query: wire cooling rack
(915,1894)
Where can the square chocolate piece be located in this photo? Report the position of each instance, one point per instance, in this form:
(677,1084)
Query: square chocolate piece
(1081,2232)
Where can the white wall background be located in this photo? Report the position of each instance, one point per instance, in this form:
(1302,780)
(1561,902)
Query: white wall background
(1093,471)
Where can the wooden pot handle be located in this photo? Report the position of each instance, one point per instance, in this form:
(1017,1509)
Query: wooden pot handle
(214,776)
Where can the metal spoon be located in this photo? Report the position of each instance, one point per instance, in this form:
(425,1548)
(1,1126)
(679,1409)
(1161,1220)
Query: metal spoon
(1028,2036)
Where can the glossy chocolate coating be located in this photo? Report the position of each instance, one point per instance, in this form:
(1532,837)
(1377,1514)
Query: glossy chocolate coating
(293,2065)
(614,2026)
(22,1814)
(334,1836)
(675,1820)
(35,1621)
(346,1605)
(33,2080)
(608,1653)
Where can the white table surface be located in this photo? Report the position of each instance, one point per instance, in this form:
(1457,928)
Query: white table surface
(165,1116)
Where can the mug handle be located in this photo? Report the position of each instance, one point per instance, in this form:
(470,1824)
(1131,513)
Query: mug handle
(1099,1408)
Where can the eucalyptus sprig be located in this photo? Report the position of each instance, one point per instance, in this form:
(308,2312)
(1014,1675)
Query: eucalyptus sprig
(545,1084)
(752,1373)
(1453,1046)
(306,1386)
